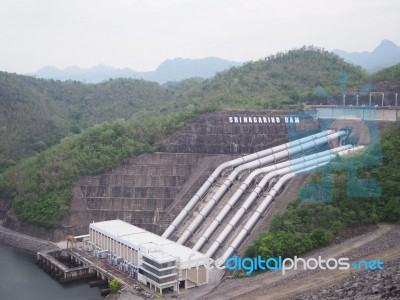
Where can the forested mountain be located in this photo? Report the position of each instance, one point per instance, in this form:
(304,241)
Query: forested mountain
(385,55)
(285,77)
(170,70)
(36,114)
(94,74)
(392,73)
(183,68)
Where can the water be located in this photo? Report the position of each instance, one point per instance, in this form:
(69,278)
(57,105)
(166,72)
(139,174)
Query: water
(21,279)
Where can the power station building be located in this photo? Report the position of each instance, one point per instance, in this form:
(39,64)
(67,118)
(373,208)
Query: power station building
(158,263)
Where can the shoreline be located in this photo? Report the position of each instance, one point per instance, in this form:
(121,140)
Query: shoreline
(25,242)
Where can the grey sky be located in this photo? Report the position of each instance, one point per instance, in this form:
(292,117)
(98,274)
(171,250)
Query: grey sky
(140,34)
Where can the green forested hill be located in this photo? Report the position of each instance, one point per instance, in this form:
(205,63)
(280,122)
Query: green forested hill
(285,77)
(48,134)
(392,73)
(28,122)
(37,113)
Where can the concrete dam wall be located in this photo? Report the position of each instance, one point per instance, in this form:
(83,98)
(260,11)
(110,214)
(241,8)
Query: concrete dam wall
(150,190)
(235,132)
(139,192)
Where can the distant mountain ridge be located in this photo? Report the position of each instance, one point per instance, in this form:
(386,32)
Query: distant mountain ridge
(170,70)
(387,54)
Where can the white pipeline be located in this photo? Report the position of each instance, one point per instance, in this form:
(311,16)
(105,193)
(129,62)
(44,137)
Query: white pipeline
(292,148)
(231,164)
(242,189)
(261,210)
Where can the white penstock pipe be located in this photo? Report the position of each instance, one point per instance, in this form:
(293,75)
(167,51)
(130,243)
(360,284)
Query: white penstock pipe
(260,211)
(351,150)
(254,195)
(242,189)
(292,149)
(256,192)
(226,165)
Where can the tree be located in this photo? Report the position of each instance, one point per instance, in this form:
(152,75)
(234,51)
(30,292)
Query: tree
(115,285)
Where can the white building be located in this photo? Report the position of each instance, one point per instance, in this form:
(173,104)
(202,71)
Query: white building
(159,263)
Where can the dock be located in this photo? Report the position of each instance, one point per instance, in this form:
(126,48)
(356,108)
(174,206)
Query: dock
(67,265)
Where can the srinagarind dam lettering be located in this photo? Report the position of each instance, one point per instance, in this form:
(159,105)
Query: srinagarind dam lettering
(263,120)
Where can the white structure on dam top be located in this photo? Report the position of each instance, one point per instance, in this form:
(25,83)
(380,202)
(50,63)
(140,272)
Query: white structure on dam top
(159,263)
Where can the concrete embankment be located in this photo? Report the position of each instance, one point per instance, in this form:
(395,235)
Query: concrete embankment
(24,242)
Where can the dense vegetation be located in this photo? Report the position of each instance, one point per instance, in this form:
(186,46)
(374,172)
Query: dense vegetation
(37,113)
(308,225)
(392,73)
(49,136)
(286,78)
(41,185)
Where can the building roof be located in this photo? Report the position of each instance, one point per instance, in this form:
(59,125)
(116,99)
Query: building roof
(150,244)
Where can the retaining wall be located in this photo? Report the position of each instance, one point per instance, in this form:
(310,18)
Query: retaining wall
(24,242)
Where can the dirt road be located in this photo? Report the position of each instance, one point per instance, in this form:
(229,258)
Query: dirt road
(383,244)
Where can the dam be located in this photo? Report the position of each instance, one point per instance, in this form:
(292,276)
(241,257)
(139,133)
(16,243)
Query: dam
(150,191)
(213,186)
(230,203)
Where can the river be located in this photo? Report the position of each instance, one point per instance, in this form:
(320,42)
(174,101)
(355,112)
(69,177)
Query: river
(21,279)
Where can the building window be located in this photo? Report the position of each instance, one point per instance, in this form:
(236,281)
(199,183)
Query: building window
(159,273)
(158,265)
(155,278)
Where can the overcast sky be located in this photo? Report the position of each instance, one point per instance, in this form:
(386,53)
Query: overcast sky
(141,34)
